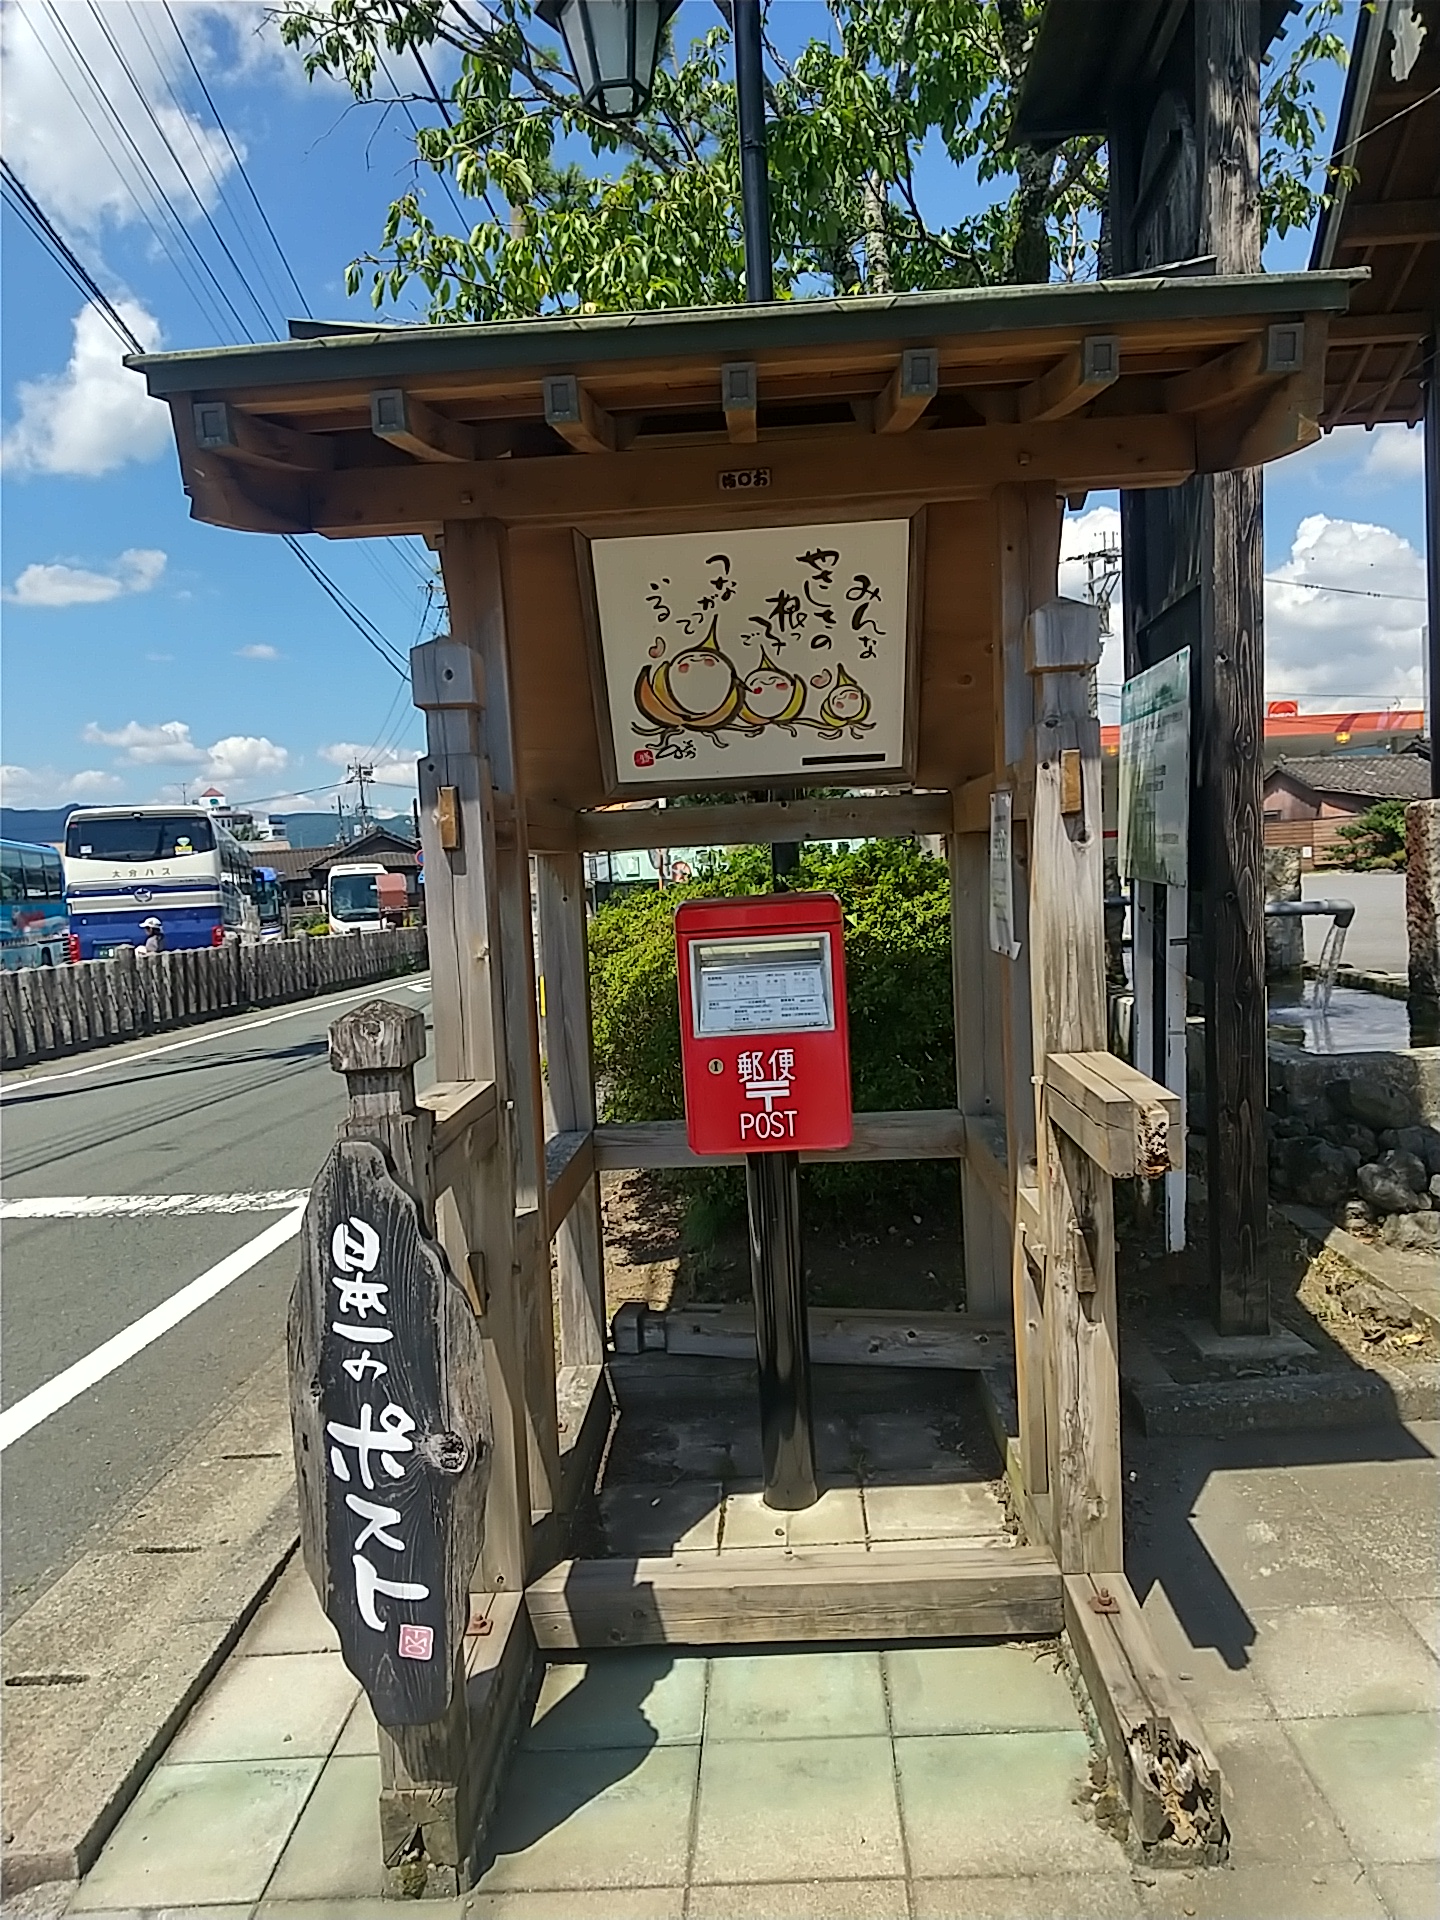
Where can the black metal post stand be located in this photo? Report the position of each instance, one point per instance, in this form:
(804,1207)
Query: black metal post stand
(754,168)
(782,1341)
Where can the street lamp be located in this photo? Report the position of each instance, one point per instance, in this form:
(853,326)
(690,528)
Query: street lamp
(613,47)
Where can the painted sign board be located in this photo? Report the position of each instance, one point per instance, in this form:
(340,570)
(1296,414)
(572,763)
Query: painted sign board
(770,653)
(764,1040)
(1155,773)
(392,1434)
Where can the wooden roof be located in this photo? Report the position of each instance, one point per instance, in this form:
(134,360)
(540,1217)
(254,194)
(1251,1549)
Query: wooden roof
(918,397)
(1388,219)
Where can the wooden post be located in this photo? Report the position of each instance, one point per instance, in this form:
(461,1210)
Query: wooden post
(401,1623)
(1067,990)
(979,1068)
(570,1097)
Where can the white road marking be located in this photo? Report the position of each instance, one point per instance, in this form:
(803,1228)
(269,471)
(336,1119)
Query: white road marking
(18,1420)
(122,1206)
(202,1033)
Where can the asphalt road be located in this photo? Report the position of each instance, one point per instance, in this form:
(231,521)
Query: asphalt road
(246,1108)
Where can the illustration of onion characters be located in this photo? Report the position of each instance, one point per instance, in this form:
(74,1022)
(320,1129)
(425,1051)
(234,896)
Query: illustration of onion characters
(700,690)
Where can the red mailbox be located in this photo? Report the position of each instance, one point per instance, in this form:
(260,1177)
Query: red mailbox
(763,1035)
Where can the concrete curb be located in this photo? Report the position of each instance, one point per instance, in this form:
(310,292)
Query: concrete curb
(1382,1266)
(1372,1397)
(102,1669)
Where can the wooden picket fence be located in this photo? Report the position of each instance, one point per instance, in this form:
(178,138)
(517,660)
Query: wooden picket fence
(46,1011)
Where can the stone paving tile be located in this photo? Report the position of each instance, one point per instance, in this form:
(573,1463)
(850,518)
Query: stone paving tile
(749,1523)
(1423,1613)
(837,1519)
(660,1520)
(359,1733)
(1276,1811)
(811,1695)
(590,1903)
(1344,1659)
(802,1900)
(334,1851)
(1209,1659)
(999,1803)
(277,1706)
(1275,1549)
(797,1810)
(1037,1896)
(1409,1892)
(1385,1513)
(207,1833)
(1262,1892)
(1381,1775)
(636,1698)
(604,1818)
(352,1909)
(291,1619)
(933,1510)
(977,1689)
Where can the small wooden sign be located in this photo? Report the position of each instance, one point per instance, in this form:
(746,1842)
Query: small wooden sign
(392,1434)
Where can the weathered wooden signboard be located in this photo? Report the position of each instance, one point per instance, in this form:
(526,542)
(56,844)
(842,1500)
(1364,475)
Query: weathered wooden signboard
(392,1434)
(770,653)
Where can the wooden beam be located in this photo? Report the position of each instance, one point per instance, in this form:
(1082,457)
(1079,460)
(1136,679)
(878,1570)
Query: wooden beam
(740,399)
(876,816)
(1073,381)
(1161,1766)
(1271,355)
(458,1107)
(569,1169)
(986,1154)
(575,416)
(1389,223)
(405,422)
(909,390)
(814,1593)
(549,829)
(837,1338)
(1289,418)
(1379,329)
(1127,1123)
(236,435)
(937,1134)
(665,490)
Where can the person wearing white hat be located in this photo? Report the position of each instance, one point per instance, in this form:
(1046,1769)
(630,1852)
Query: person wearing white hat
(154,935)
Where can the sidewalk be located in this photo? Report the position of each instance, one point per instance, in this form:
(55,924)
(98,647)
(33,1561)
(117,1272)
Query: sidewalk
(1292,1582)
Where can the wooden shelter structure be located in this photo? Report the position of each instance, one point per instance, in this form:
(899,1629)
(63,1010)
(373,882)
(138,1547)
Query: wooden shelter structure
(967,418)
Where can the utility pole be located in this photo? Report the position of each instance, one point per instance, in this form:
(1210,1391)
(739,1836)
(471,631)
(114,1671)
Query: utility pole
(360,775)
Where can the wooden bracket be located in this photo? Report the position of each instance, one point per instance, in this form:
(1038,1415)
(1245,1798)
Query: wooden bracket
(446,673)
(236,435)
(447,818)
(911,388)
(575,416)
(1127,1123)
(418,429)
(1074,381)
(1063,636)
(740,398)
(457,1107)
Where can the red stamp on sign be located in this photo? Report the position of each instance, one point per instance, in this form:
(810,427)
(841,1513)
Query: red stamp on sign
(644,757)
(416,1643)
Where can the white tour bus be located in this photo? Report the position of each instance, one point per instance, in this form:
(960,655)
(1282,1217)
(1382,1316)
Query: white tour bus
(178,865)
(352,898)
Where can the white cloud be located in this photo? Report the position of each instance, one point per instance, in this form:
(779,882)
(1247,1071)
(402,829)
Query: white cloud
(1395,453)
(56,584)
(169,743)
(393,768)
(44,787)
(95,415)
(1359,647)
(59,133)
(259,651)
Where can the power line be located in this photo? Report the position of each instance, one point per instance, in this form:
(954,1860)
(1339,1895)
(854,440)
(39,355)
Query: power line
(239,163)
(28,207)
(370,633)
(1359,593)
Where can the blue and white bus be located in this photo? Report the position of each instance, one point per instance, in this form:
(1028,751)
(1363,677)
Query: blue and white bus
(34,930)
(178,865)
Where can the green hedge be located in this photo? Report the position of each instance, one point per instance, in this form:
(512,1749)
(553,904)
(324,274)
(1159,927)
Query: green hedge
(897,964)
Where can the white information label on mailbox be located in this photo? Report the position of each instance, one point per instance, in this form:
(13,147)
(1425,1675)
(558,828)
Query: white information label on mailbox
(762,986)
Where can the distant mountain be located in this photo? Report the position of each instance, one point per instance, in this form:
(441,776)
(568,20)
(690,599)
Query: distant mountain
(46,825)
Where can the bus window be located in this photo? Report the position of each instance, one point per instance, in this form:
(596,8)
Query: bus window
(40,882)
(12,877)
(138,837)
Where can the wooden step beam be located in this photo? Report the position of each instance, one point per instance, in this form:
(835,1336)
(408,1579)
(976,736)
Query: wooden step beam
(816,1593)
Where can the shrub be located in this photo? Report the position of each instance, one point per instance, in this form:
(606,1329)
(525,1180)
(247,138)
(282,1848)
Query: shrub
(896,901)
(1375,843)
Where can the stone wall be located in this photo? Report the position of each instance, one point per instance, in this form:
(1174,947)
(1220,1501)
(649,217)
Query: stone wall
(1358,1136)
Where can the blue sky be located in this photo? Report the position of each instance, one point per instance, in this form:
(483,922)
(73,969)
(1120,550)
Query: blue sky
(143,651)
